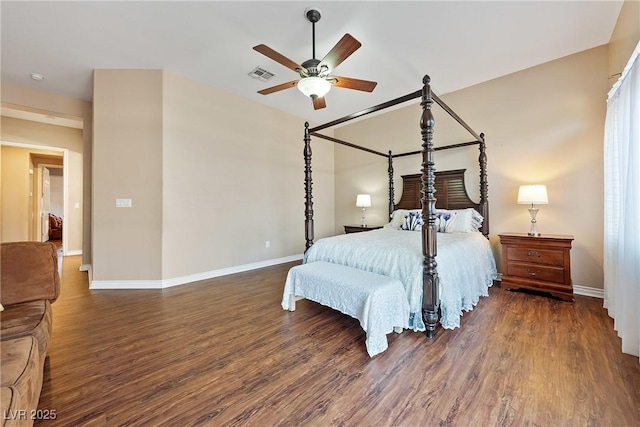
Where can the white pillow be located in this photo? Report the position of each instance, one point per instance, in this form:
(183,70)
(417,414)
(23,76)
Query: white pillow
(461,220)
(397,217)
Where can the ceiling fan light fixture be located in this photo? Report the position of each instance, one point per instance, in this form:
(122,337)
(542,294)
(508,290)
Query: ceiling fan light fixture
(315,79)
(314,87)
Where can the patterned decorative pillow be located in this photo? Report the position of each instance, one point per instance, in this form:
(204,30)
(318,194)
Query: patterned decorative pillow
(445,221)
(460,221)
(412,222)
(397,217)
(476,220)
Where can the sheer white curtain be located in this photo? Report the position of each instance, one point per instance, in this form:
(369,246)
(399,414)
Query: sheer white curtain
(622,206)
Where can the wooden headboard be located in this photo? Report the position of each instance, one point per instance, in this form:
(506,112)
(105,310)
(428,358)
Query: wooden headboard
(451,192)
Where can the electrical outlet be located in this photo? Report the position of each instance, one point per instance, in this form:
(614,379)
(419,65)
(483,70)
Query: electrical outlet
(267,244)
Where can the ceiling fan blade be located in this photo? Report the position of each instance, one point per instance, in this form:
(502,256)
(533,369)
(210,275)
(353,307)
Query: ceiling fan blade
(319,103)
(341,51)
(356,84)
(277,88)
(279,58)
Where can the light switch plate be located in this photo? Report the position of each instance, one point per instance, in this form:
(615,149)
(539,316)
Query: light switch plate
(123,203)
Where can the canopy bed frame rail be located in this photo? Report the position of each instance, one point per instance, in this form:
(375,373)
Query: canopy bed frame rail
(449,184)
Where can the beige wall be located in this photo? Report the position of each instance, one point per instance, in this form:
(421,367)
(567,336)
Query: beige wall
(625,37)
(127,164)
(15,194)
(212,177)
(233,180)
(15,173)
(29,99)
(542,125)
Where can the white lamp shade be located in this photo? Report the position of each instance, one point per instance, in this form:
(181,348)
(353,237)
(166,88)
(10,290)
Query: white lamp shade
(533,194)
(363,201)
(314,87)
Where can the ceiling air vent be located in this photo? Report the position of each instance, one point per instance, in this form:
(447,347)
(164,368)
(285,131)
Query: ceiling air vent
(261,74)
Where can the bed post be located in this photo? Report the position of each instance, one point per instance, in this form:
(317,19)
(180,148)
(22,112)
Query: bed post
(391,193)
(430,294)
(484,186)
(308,184)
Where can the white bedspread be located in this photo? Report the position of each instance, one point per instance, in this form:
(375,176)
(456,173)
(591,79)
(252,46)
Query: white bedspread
(466,266)
(378,302)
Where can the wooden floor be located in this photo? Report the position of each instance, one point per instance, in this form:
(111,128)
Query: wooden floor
(223,352)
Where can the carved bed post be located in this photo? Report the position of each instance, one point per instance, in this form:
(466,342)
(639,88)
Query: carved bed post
(391,193)
(430,297)
(484,186)
(308,189)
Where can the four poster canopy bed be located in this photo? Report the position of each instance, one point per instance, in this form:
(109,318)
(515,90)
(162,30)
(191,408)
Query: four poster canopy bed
(389,278)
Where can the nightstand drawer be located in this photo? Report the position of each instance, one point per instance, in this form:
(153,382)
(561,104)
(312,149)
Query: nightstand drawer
(538,256)
(536,272)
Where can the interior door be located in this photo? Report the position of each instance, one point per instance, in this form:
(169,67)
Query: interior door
(45,204)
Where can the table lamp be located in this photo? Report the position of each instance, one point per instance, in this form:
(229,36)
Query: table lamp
(533,194)
(363,201)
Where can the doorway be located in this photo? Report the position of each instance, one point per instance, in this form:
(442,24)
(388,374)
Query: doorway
(46,197)
(39,187)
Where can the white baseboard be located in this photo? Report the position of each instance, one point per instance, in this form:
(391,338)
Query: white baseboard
(72,253)
(87,268)
(167,283)
(588,292)
(125,284)
(579,290)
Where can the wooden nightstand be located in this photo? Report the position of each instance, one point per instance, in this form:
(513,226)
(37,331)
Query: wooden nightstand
(358,228)
(540,263)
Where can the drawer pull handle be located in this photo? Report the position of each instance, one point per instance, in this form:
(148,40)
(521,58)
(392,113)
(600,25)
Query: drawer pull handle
(533,253)
(533,273)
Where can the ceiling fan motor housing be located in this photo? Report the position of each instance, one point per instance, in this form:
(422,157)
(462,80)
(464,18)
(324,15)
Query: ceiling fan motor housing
(312,68)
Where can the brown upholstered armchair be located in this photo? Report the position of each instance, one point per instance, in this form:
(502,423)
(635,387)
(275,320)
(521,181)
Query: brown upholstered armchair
(55,227)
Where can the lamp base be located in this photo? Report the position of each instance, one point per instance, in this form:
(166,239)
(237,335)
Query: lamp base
(533,231)
(363,222)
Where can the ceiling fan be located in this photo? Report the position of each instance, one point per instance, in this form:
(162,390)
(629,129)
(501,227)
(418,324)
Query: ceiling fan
(315,80)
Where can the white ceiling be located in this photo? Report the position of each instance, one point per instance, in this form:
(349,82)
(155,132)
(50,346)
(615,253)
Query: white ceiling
(457,43)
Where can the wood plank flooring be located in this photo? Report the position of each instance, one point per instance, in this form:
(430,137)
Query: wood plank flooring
(222,352)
